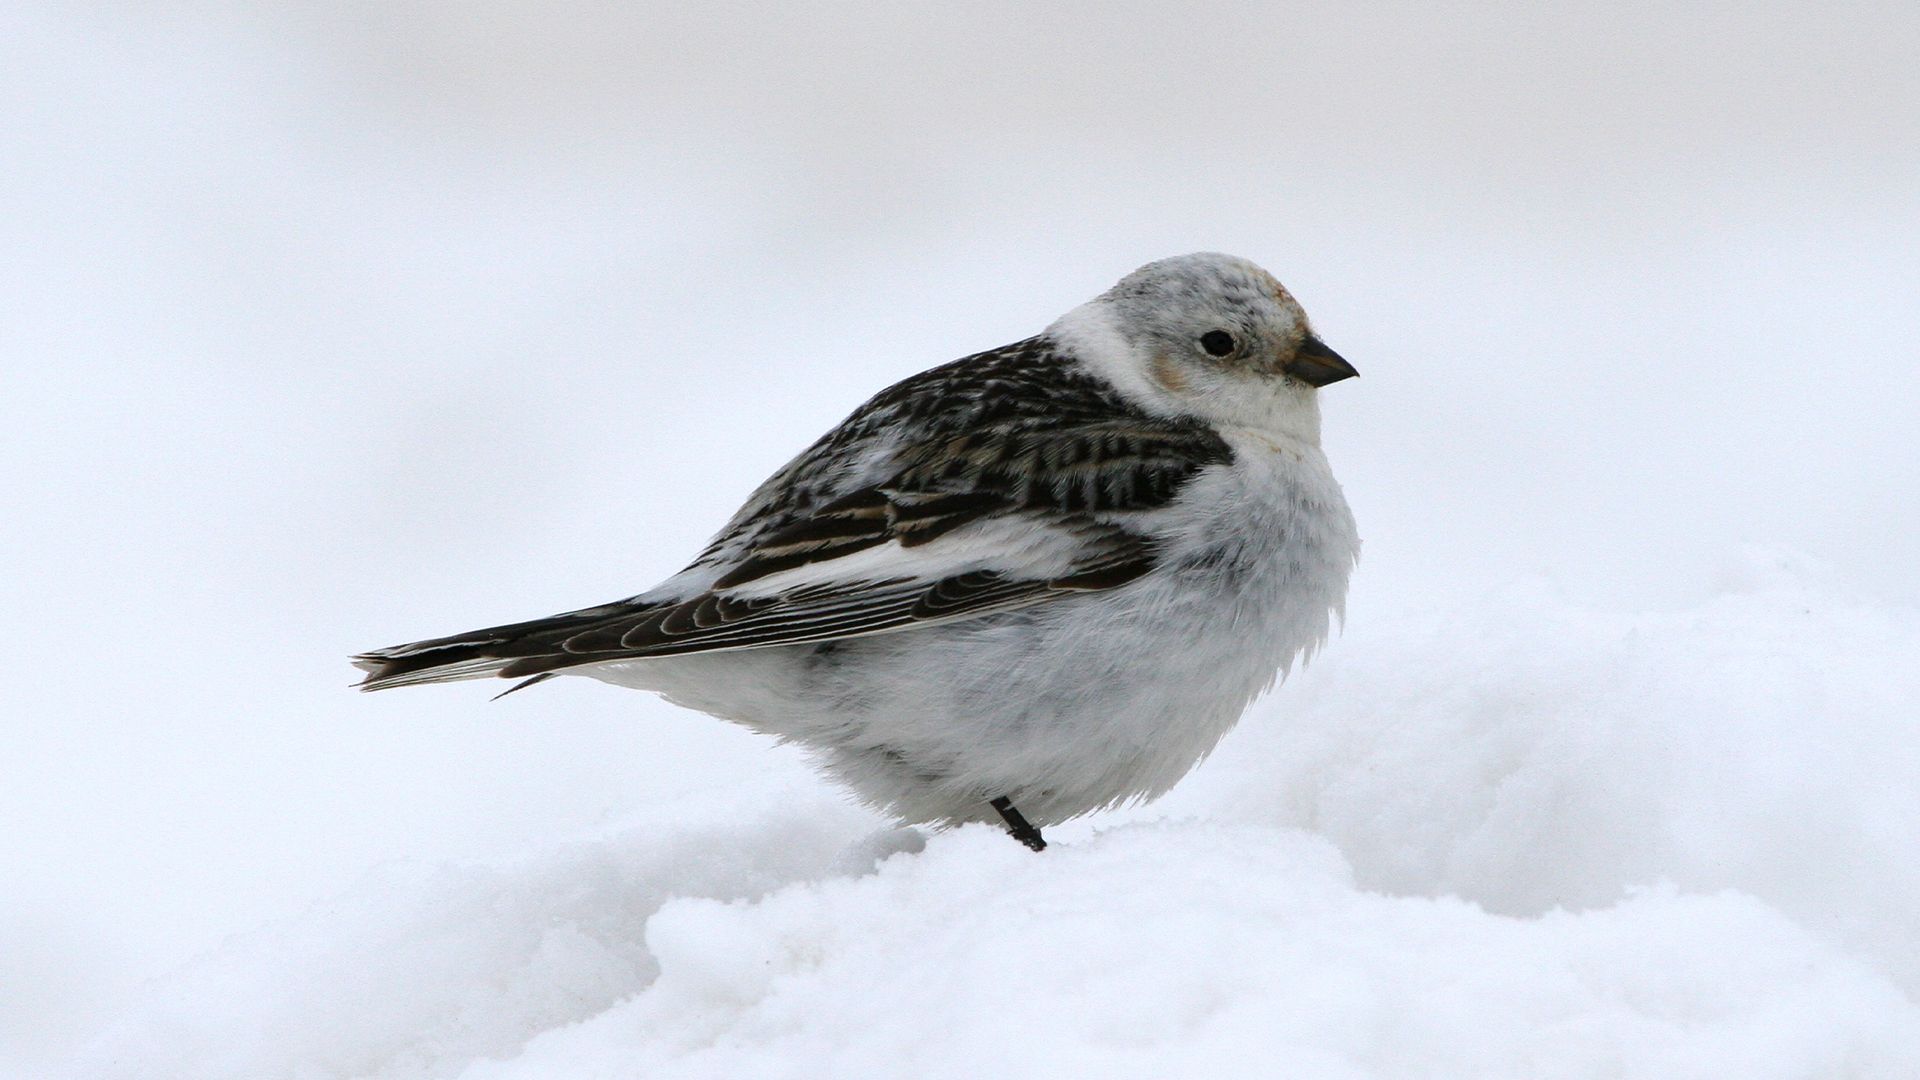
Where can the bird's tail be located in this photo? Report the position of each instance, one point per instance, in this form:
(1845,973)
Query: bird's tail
(515,649)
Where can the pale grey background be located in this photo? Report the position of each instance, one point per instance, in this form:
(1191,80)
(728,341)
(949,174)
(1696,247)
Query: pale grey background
(329,326)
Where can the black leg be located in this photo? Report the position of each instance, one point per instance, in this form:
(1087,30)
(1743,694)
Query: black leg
(1018,825)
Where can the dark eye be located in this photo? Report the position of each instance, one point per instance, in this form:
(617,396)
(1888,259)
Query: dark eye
(1217,342)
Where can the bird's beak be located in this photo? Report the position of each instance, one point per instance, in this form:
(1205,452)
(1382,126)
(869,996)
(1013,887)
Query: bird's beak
(1317,365)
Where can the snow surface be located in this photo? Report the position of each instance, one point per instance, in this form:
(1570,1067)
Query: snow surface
(1512,837)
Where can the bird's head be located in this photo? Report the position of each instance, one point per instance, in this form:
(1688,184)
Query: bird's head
(1210,336)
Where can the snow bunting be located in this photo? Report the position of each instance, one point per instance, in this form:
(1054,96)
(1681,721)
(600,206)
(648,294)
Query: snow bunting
(1032,583)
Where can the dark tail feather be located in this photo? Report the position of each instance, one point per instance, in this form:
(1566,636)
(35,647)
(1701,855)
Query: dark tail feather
(526,647)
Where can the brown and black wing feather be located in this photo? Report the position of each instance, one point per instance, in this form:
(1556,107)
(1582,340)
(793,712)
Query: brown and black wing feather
(1018,431)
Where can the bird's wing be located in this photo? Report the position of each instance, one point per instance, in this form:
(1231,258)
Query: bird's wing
(1012,489)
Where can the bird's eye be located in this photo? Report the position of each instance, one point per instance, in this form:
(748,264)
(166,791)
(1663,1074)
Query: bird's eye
(1217,342)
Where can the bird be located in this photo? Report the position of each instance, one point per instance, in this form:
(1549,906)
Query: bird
(1030,584)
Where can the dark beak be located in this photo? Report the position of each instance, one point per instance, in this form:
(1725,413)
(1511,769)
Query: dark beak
(1317,365)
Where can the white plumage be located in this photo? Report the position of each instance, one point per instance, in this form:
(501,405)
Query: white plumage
(1038,581)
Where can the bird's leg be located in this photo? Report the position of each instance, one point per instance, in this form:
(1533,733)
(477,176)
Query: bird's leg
(1018,825)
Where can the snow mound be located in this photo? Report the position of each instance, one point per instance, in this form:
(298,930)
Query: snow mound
(1529,754)
(1518,839)
(422,968)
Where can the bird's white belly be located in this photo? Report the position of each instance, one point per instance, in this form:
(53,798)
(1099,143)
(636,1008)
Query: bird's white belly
(1068,707)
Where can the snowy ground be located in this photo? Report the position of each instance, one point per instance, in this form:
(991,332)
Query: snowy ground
(331,326)
(1515,838)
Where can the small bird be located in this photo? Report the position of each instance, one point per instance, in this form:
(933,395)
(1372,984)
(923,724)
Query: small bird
(1029,584)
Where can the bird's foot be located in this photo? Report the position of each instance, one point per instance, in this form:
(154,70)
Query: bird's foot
(1017,825)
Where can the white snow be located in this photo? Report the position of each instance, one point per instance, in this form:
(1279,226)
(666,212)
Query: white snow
(1513,837)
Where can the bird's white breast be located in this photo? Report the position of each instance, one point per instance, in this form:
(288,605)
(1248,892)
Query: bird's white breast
(1079,703)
